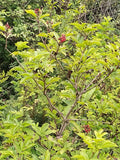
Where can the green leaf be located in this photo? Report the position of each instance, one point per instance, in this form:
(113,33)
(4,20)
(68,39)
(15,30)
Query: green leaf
(52,80)
(52,34)
(2,28)
(108,144)
(2,107)
(79,26)
(100,133)
(21,45)
(83,155)
(27,76)
(5,154)
(42,44)
(87,95)
(88,140)
(15,53)
(47,155)
(56,24)
(44,15)
(44,127)
(31,12)
(43,35)
(29,146)
(79,157)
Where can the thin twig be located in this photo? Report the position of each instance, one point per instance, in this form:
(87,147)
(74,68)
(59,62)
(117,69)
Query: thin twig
(27,4)
(99,74)
(77,110)
(63,126)
(53,107)
(86,90)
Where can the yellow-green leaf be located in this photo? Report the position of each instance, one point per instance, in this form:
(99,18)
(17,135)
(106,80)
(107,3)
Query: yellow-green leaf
(42,35)
(56,24)
(2,28)
(47,155)
(30,11)
(41,44)
(21,45)
(44,15)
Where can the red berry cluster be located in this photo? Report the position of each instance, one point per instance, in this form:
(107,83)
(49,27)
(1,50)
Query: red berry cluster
(7,26)
(87,128)
(37,11)
(62,38)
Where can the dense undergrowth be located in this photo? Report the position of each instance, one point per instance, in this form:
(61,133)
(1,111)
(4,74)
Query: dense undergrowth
(60,80)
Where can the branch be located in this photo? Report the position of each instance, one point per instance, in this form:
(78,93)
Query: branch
(64,124)
(27,3)
(53,107)
(96,77)
(80,95)
(86,90)
(77,110)
(60,64)
(72,107)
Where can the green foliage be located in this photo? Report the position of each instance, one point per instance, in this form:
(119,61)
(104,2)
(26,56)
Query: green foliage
(67,85)
(95,145)
(21,45)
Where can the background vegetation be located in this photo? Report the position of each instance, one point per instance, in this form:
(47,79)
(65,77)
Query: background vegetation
(60,79)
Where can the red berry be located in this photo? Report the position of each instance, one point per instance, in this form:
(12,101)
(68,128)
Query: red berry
(7,26)
(62,38)
(87,128)
(37,11)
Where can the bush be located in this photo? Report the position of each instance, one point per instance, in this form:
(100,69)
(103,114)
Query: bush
(68,83)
